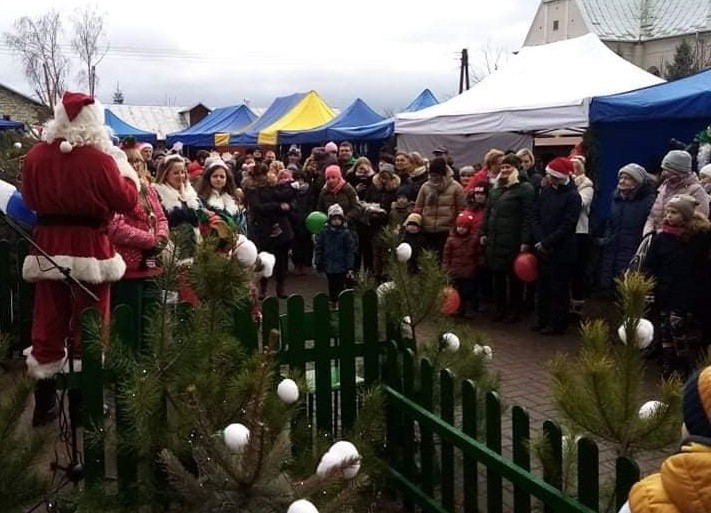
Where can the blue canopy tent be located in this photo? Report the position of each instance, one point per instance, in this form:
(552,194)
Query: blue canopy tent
(425,99)
(224,119)
(637,126)
(122,129)
(6,124)
(372,132)
(279,107)
(357,115)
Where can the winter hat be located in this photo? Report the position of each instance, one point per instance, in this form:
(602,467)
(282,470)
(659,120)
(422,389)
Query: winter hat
(481,188)
(512,160)
(265,264)
(331,147)
(677,161)
(404,190)
(684,204)
(294,150)
(333,171)
(77,109)
(634,171)
(560,167)
(413,219)
(440,150)
(705,171)
(384,167)
(465,219)
(438,166)
(335,210)
(696,403)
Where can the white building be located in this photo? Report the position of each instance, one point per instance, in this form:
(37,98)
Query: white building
(645,32)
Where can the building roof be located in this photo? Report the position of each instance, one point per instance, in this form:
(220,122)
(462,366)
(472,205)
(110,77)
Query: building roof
(157,119)
(24,96)
(640,20)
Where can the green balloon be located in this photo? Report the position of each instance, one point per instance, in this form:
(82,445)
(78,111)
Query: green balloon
(316,222)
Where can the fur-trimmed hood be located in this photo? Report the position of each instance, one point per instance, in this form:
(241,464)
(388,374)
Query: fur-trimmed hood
(698,224)
(418,171)
(394,183)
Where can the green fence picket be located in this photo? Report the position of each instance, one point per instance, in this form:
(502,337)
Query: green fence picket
(293,334)
(346,337)
(244,327)
(25,294)
(407,425)
(553,472)
(470,427)
(270,317)
(92,396)
(494,488)
(6,288)
(322,364)
(446,381)
(426,437)
(626,474)
(589,473)
(371,342)
(521,436)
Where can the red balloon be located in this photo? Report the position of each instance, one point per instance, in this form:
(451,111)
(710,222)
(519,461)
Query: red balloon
(452,301)
(526,267)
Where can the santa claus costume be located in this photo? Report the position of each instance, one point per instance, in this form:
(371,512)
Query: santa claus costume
(75,179)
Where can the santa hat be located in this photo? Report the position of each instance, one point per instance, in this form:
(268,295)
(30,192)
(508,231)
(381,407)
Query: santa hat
(77,109)
(265,264)
(560,167)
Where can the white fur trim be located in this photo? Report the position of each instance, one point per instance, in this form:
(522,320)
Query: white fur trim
(222,202)
(556,174)
(124,167)
(268,261)
(703,156)
(65,147)
(86,269)
(172,199)
(43,370)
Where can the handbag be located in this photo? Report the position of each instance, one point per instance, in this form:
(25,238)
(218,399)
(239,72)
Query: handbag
(637,261)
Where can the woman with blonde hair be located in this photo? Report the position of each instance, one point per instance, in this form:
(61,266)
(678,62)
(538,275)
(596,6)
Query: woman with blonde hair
(490,171)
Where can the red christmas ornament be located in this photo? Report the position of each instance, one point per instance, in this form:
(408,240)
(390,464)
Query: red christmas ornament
(452,301)
(526,267)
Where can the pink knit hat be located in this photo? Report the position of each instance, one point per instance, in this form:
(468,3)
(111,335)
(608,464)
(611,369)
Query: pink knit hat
(333,171)
(331,147)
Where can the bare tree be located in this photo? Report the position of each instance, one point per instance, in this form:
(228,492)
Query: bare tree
(36,43)
(490,57)
(89,42)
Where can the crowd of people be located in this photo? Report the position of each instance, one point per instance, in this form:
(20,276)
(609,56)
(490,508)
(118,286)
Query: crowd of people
(477,219)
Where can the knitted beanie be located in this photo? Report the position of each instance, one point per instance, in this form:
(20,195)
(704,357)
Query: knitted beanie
(697,403)
(634,171)
(333,171)
(335,210)
(677,161)
(438,166)
(684,204)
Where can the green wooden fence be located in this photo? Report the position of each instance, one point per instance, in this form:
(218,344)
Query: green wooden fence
(440,458)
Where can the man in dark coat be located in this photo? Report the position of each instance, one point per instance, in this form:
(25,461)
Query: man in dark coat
(555,217)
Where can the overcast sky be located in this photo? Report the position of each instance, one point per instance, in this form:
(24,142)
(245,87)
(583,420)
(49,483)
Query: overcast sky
(219,53)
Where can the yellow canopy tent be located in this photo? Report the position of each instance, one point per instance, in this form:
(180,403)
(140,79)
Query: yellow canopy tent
(311,112)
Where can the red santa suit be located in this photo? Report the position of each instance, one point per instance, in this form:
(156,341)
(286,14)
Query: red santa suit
(75,185)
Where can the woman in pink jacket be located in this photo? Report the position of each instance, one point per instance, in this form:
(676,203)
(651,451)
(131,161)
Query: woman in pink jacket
(139,237)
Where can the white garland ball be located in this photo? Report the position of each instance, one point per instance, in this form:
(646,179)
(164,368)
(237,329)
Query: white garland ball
(384,288)
(245,251)
(302,506)
(345,449)
(328,461)
(406,327)
(488,352)
(17,145)
(450,342)
(649,408)
(645,333)
(236,437)
(403,252)
(288,391)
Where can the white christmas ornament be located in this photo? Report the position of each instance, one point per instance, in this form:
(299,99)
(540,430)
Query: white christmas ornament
(288,391)
(328,461)
(345,449)
(645,333)
(406,327)
(17,145)
(384,288)
(488,352)
(450,342)
(302,506)
(246,251)
(649,408)
(403,252)
(236,437)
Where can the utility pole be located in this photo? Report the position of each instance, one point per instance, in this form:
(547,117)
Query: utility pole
(464,72)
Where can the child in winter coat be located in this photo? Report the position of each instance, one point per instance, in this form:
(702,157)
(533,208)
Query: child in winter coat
(677,259)
(415,238)
(335,252)
(400,208)
(460,258)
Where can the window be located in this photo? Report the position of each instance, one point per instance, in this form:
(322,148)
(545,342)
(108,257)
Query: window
(555,24)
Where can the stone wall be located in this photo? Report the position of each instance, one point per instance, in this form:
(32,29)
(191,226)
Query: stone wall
(20,108)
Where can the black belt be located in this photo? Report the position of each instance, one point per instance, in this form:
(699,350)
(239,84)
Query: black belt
(69,220)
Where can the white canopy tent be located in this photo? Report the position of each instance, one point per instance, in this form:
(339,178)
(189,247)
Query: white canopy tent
(541,88)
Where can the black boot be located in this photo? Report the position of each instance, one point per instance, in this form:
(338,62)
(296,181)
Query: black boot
(45,402)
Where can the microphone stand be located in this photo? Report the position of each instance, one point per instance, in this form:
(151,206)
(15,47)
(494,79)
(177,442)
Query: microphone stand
(75,470)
